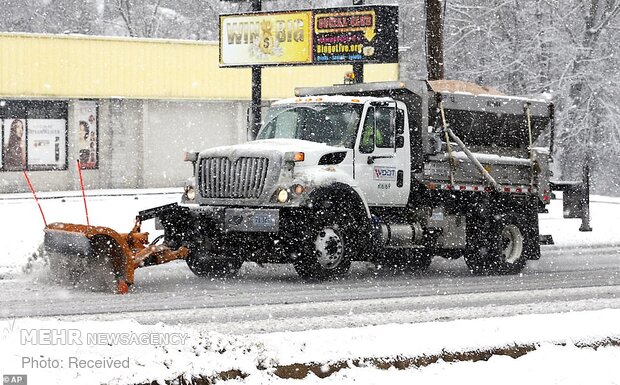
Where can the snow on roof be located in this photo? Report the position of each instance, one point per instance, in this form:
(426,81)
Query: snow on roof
(466,88)
(327,99)
(454,86)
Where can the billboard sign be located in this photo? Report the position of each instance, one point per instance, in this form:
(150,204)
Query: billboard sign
(356,35)
(366,34)
(266,38)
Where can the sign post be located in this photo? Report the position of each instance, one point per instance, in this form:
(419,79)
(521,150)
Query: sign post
(257,89)
(358,68)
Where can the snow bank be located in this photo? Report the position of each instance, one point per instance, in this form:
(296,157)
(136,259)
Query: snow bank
(605,214)
(55,352)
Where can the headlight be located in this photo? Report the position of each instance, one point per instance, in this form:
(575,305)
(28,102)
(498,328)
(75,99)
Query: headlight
(282,196)
(190,193)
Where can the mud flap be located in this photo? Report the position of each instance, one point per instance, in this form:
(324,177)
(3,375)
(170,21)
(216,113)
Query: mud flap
(546,239)
(576,200)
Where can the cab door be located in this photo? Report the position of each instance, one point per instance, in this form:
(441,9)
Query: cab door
(382,155)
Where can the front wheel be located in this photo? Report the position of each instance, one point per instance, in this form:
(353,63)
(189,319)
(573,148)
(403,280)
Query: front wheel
(328,246)
(506,247)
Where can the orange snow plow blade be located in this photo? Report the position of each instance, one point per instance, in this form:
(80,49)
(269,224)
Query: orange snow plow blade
(99,258)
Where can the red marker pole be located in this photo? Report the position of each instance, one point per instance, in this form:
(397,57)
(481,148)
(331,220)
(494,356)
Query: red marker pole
(35,197)
(83,194)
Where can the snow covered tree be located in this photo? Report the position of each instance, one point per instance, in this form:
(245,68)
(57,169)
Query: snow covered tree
(50,16)
(589,114)
(562,49)
(565,50)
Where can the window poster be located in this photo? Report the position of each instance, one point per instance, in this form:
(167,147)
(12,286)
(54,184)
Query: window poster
(46,143)
(14,144)
(88,133)
(34,135)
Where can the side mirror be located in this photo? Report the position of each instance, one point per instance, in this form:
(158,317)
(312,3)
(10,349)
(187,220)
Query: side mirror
(190,156)
(400,122)
(253,127)
(400,141)
(248,123)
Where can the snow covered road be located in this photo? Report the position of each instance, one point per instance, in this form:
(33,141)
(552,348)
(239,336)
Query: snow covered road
(274,299)
(582,272)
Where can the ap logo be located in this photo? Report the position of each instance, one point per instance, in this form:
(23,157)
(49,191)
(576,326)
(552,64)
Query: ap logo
(14,379)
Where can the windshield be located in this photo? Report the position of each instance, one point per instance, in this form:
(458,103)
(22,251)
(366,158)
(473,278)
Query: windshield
(330,123)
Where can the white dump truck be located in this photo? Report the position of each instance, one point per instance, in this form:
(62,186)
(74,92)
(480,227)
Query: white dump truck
(393,173)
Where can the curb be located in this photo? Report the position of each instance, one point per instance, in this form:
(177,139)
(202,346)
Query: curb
(300,371)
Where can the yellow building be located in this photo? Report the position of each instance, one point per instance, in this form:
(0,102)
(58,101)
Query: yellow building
(127,108)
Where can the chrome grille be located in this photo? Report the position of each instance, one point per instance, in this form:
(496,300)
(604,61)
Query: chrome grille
(222,178)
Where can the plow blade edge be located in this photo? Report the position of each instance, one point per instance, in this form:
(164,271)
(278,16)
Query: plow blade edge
(96,258)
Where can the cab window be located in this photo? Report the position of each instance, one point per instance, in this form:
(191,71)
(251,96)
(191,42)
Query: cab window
(384,127)
(378,130)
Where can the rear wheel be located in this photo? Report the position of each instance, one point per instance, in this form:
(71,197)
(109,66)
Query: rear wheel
(505,246)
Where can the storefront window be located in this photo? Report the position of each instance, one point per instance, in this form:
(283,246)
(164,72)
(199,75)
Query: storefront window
(34,135)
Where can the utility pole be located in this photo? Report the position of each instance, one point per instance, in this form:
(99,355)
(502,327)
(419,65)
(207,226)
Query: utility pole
(257,88)
(434,39)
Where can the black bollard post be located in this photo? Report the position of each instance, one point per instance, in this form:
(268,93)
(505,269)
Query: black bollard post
(585,198)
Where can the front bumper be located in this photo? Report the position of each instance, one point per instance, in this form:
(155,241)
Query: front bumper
(227,219)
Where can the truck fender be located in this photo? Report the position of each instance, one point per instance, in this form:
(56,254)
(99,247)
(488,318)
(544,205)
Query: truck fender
(351,194)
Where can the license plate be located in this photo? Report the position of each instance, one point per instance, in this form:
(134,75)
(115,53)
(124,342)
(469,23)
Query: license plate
(264,220)
(250,220)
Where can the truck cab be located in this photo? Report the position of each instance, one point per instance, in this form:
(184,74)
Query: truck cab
(370,134)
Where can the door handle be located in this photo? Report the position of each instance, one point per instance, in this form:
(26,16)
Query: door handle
(371,158)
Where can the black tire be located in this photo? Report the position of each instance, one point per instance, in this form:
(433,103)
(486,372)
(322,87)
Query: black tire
(502,246)
(407,261)
(205,263)
(328,244)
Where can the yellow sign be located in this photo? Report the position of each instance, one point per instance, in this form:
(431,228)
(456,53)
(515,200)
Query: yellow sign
(266,38)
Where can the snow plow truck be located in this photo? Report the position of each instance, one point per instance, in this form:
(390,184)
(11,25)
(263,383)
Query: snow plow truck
(393,173)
